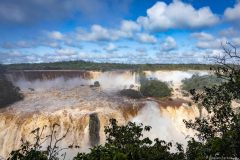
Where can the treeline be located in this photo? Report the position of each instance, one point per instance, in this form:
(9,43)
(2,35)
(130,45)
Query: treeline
(84,65)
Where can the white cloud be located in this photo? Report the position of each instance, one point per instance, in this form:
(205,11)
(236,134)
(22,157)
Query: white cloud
(127,30)
(169,44)
(233,14)
(236,41)
(66,52)
(202,36)
(177,15)
(99,33)
(55,35)
(111,47)
(229,32)
(146,38)
(129,26)
(208,41)
(212,44)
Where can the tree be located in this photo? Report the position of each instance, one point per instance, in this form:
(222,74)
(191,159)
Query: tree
(219,131)
(155,88)
(131,93)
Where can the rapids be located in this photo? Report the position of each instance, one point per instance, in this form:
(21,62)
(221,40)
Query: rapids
(65,98)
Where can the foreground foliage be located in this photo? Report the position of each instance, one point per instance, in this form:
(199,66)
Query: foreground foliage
(219,130)
(35,151)
(122,143)
(127,143)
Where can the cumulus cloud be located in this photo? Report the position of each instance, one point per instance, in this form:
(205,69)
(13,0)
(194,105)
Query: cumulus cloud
(169,44)
(146,38)
(212,44)
(177,15)
(208,41)
(233,14)
(99,33)
(66,52)
(130,26)
(16,56)
(229,32)
(55,35)
(111,47)
(203,36)
(127,30)
(236,41)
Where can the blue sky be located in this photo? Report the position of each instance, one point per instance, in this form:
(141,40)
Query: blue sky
(122,31)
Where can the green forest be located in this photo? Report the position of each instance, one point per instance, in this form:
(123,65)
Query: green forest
(84,65)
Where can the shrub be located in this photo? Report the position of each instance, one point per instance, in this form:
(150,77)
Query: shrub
(131,93)
(155,88)
(96,84)
(199,82)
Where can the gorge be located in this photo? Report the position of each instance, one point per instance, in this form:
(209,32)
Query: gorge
(65,98)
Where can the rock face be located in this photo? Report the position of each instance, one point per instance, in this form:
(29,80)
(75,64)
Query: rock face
(94,128)
(48,74)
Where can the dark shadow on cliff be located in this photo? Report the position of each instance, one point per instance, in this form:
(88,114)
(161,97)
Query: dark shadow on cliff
(8,92)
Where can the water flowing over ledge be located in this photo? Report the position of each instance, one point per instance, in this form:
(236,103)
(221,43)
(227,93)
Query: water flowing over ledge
(65,98)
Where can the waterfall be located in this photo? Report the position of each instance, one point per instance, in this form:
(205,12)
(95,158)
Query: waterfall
(65,98)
